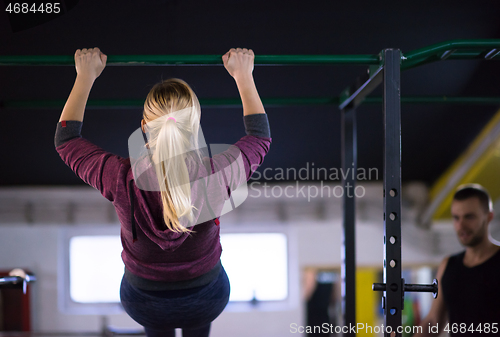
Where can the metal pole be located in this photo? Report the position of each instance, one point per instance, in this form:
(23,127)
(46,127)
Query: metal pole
(348,268)
(392,191)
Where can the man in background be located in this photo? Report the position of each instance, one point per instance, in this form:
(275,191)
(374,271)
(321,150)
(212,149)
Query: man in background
(468,303)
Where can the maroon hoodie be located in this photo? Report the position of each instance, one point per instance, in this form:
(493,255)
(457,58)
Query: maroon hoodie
(158,254)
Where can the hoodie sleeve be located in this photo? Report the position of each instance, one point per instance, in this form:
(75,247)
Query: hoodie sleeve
(96,167)
(237,164)
(255,145)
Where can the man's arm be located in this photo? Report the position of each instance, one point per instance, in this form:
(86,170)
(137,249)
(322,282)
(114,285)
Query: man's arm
(438,313)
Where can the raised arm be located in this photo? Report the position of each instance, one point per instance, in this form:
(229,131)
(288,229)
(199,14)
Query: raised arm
(90,163)
(89,64)
(239,64)
(438,313)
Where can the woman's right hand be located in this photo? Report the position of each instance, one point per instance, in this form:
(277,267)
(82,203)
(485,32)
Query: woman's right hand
(90,62)
(239,62)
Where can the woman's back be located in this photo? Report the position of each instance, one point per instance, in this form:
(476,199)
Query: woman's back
(170,235)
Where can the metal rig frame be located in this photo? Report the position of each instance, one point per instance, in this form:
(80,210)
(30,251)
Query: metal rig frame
(388,73)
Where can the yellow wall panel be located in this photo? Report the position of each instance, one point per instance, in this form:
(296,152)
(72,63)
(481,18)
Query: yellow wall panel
(366,299)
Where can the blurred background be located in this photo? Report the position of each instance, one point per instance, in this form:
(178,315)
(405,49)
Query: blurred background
(47,214)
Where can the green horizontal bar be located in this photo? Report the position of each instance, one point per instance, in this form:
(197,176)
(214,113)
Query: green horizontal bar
(139,104)
(221,102)
(441,99)
(462,49)
(450,45)
(139,60)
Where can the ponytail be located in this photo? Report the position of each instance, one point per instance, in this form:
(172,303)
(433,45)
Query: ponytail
(173,141)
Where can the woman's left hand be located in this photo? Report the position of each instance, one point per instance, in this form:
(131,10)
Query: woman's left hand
(90,62)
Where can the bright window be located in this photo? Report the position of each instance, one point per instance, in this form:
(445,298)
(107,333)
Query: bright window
(256,264)
(96,268)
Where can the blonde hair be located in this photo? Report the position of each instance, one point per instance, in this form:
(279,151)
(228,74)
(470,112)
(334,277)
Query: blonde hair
(172,140)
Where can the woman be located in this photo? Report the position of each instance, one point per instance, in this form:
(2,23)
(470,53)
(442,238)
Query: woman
(173,275)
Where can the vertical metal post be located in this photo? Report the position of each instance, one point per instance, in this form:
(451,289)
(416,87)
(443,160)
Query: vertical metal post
(349,167)
(392,191)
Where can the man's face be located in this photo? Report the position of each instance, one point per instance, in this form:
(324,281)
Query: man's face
(470,221)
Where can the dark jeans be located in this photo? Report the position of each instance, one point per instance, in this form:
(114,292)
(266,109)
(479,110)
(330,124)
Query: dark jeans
(161,312)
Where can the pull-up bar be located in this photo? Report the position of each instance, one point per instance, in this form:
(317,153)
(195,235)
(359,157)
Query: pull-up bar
(180,60)
(488,49)
(455,49)
(230,102)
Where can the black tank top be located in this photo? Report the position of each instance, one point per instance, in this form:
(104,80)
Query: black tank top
(472,295)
